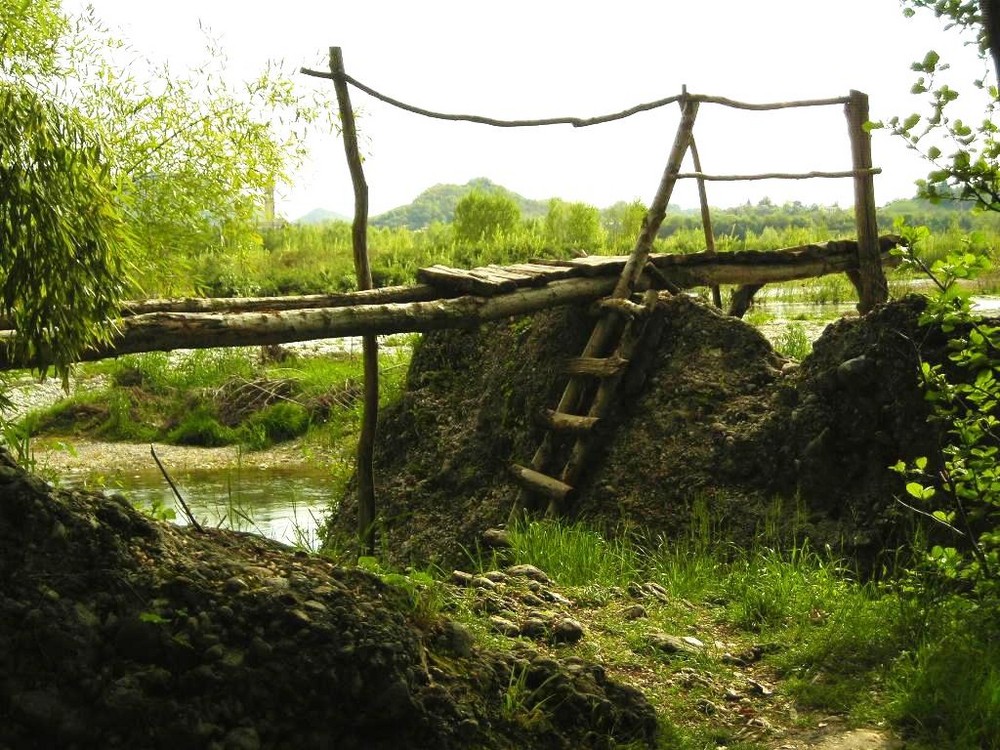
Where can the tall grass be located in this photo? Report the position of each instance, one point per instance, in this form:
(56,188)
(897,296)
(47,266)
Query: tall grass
(868,648)
(576,555)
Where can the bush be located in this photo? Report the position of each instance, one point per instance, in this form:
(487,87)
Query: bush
(201,427)
(280,421)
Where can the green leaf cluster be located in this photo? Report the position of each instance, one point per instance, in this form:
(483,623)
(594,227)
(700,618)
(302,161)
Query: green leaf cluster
(960,487)
(62,234)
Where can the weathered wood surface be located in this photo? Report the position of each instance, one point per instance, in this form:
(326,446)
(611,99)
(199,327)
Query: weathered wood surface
(195,324)
(168,331)
(684,271)
(574,423)
(544,485)
(829,257)
(873,289)
(608,328)
(417,293)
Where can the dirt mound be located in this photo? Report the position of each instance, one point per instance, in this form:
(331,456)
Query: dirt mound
(116,631)
(721,432)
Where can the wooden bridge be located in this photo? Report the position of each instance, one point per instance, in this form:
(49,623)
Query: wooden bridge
(626,287)
(452,298)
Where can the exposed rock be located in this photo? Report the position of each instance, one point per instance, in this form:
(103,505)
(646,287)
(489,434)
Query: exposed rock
(673,644)
(635,612)
(496,539)
(504,626)
(567,630)
(529,571)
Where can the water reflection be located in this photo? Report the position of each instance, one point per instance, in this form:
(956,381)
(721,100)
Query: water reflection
(283,503)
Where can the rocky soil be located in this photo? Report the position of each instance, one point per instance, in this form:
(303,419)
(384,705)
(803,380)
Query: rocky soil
(720,431)
(120,632)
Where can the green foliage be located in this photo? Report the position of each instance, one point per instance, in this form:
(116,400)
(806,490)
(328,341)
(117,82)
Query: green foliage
(793,342)
(623,222)
(436,205)
(30,35)
(576,555)
(483,216)
(278,422)
(574,226)
(424,593)
(62,236)
(201,427)
(969,170)
(960,487)
(949,688)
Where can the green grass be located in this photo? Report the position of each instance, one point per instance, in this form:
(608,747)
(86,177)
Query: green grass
(218,397)
(578,556)
(793,342)
(874,650)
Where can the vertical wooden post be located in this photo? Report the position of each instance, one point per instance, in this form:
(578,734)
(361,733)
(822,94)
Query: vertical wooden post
(706,218)
(872,286)
(369,343)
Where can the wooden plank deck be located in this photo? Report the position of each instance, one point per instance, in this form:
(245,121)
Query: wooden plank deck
(493,280)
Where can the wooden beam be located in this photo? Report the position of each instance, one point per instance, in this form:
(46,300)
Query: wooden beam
(369,343)
(169,331)
(568,422)
(873,288)
(165,331)
(598,367)
(540,483)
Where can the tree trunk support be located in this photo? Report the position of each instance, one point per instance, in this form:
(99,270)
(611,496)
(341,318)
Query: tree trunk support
(706,218)
(369,343)
(872,286)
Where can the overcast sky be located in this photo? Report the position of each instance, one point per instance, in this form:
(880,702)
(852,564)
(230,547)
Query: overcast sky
(546,58)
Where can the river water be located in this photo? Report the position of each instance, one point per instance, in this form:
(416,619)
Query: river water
(283,503)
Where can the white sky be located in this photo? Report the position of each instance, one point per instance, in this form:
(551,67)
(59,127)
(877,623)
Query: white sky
(545,58)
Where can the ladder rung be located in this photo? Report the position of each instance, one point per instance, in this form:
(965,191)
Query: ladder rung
(561,422)
(601,367)
(624,306)
(543,484)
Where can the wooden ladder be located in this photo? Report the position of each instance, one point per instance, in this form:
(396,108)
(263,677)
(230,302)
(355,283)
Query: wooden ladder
(613,342)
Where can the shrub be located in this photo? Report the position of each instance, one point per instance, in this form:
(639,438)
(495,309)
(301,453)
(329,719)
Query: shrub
(200,427)
(275,423)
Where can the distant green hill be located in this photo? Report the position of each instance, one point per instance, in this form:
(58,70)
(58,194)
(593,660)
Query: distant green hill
(321,216)
(438,204)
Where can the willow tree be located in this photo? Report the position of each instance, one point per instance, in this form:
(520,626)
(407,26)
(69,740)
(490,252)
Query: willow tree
(62,234)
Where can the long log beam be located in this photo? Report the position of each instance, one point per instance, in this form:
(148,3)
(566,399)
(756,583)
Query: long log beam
(416,293)
(166,331)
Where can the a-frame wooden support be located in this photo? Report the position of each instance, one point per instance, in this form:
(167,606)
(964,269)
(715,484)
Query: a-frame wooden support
(612,343)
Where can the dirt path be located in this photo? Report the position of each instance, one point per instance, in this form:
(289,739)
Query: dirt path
(855,739)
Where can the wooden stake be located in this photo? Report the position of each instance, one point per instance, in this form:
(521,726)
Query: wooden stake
(369,343)
(706,217)
(872,287)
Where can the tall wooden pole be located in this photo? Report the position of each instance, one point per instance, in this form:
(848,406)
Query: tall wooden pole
(706,217)
(369,343)
(870,281)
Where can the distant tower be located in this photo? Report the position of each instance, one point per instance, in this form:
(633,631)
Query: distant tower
(269,206)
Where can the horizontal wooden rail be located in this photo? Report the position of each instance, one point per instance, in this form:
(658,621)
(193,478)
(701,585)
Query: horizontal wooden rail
(774,175)
(576,122)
